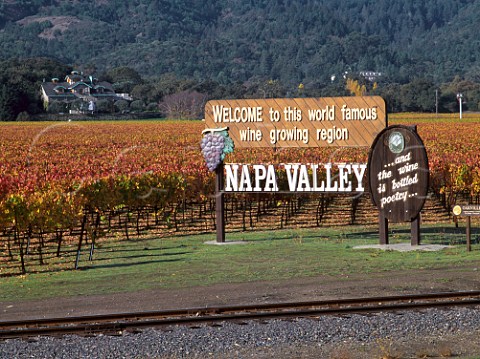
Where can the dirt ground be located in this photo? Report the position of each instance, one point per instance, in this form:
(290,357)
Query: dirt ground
(298,289)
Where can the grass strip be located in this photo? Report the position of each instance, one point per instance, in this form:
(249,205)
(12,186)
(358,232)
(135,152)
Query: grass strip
(186,261)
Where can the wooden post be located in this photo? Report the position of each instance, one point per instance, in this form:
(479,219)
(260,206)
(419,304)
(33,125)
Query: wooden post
(219,204)
(415,231)
(79,248)
(469,235)
(383,228)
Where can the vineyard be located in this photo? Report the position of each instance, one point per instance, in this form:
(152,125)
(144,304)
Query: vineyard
(67,185)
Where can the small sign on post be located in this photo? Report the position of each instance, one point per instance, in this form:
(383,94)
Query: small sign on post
(468,211)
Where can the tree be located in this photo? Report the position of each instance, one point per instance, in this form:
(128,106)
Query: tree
(448,102)
(23,116)
(22,80)
(123,78)
(271,89)
(355,88)
(390,93)
(57,107)
(78,105)
(7,104)
(183,105)
(137,106)
(121,106)
(418,95)
(146,92)
(104,106)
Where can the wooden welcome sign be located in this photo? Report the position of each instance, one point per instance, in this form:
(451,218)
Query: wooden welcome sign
(289,122)
(299,122)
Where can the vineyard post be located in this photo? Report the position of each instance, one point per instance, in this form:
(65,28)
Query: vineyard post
(219,203)
(79,248)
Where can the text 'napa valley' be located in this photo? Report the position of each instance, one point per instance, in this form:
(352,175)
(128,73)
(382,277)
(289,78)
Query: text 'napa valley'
(294,177)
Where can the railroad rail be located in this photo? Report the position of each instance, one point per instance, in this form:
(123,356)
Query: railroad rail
(116,324)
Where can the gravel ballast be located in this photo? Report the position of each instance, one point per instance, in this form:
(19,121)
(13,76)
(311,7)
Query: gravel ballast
(453,332)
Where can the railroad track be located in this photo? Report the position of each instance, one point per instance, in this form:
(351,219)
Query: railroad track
(116,324)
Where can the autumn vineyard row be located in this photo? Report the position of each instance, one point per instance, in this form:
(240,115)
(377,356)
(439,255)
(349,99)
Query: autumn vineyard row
(77,182)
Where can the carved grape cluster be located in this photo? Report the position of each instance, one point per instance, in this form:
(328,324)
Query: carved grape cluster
(216,144)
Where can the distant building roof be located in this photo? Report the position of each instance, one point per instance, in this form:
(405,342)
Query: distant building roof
(83,86)
(370,75)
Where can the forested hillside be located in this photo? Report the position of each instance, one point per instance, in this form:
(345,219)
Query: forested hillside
(417,54)
(294,41)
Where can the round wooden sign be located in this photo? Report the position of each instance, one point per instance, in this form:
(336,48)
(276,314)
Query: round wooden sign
(398,173)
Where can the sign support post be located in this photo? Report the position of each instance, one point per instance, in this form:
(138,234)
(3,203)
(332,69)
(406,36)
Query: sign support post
(415,231)
(469,235)
(219,204)
(383,228)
